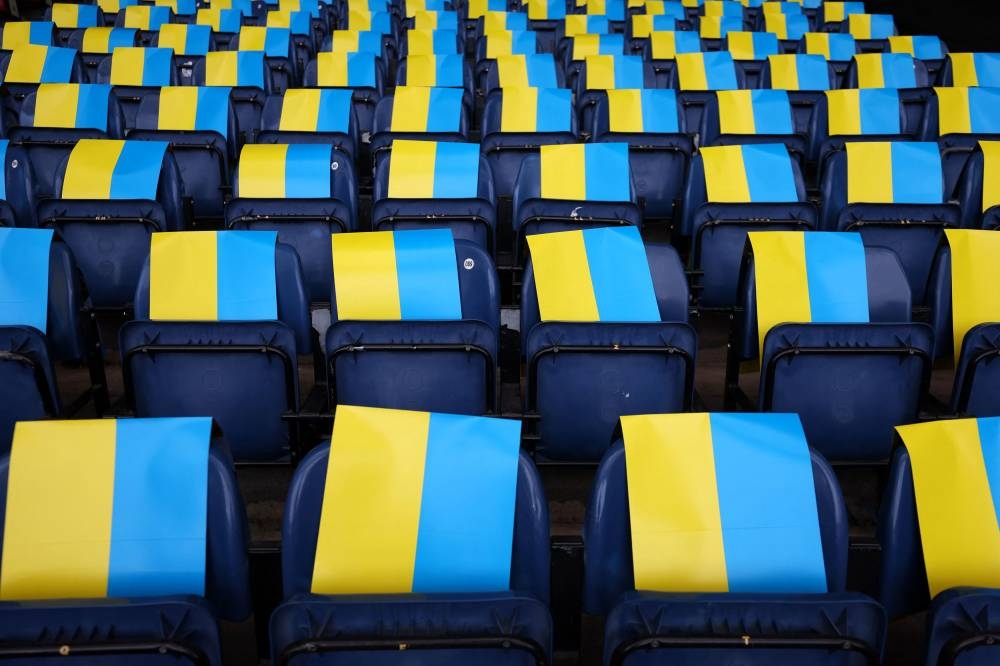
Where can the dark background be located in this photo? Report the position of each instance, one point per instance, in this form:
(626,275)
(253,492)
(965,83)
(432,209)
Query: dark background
(964,25)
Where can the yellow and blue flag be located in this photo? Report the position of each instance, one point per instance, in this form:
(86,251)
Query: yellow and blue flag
(497,21)
(536,110)
(546,10)
(799,71)
(885,70)
(706,71)
(299,22)
(194,108)
(722,8)
(645,24)
(702,516)
(755,112)
(924,47)
(974,297)
(274,42)
(839,47)
(477,8)
(420,109)
(585,24)
(106,40)
(956,484)
(40,64)
(433,170)
(968,110)
(508,42)
(975,69)
(179,7)
(72,106)
(781,7)
(242,6)
(614,10)
(752,45)
(68,15)
(666,8)
(310,7)
(114,6)
(220,20)
(113,169)
(757,173)
(809,277)
(854,112)
(585,172)
(668,45)
(894,172)
(106,508)
(284,171)
(396,275)
(717,27)
(437,515)
(213,276)
(137,66)
(441,70)
(431,42)
(435,20)
(836,12)
(146,17)
(787,26)
(235,68)
(593,275)
(588,45)
(345,70)
(185,40)
(355,41)
(652,111)
(532,70)
(24,275)
(315,110)
(21,33)
(871,26)
(991,173)
(379,22)
(608,72)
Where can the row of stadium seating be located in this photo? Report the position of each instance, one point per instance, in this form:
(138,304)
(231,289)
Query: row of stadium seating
(447,557)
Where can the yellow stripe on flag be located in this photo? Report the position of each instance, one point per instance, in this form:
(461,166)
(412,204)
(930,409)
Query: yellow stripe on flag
(563,295)
(252,38)
(691,70)
(331,70)
(183,276)
(869,172)
(411,169)
(784,72)
(519,110)
(563,172)
(299,110)
(963,70)
(56,105)
(975,273)
(953,111)
(410,109)
(127,65)
(869,67)
(782,281)
(725,175)
(625,107)
(221,68)
(57,535)
(262,170)
(364,273)
(178,108)
(600,72)
(736,112)
(95,40)
(844,112)
(26,64)
(512,71)
(90,168)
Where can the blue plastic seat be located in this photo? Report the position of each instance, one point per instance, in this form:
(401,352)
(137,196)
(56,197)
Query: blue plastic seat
(316,198)
(739,117)
(416,358)
(21,75)
(277,44)
(871,114)
(150,621)
(311,116)
(894,70)
(834,375)
(973,192)
(17,205)
(601,73)
(241,370)
(135,73)
(190,42)
(805,79)
(363,73)
(836,47)
(958,119)
(698,76)
(246,73)
(539,70)
(909,217)
(507,626)
(94,44)
(110,196)
(420,114)
(716,628)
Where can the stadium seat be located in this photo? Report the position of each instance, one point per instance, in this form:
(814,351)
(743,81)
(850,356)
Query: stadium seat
(928,49)
(714,29)
(314,197)
(306,33)
(731,190)
(805,79)
(135,73)
(436,71)
(43,322)
(790,28)
(659,147)
(739,117)
(894,70)
(538,70)
(146,18)
(190,44)
(734,591)
(311,116)
(958,119)
(18,196)
(15,34)
(29,65)
(152,556)
(574,51)
(246,73)
(225,23)
(886,191)
(750,50)
(573,186)
(419,114)
(425,338)
(971,69)
(479,595)
(943,471)
(94,45)
(975,189)
(276,43)
(869,114)
(230,352)
(458,194)
(430,42)
(110,197)
(833,15)
(601,73)
(870,31)
(837,48)
(848,361)
(616,342)
(699,76)
(663,47)
(501,43)
(70,17)
(361,72)
(55,117)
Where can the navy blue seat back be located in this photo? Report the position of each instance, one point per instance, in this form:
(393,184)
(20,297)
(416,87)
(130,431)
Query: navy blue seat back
(130,96)
(17,92)
(825,143)
(270,122)
(365,98)
(383,135)
(969,187)
(244,374)
(248,101)
(17,209)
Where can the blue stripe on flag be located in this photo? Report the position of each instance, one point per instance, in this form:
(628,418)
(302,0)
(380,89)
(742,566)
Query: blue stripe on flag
(307,171)
(212,113)
(427,274)
(687,41)
(989,441)
(361,70)
(86,16)
(555,106)
(541,72)
(987,68)
(879,111)
(464,540)
(916,173)
(772,112)
(160,514)
(445,112)
(983,103)
(619,272)
(247,287)
(523,42)
(842,46)
(898,70)
(813,72)
(334,110)
(137,173)
(838,278)
(120,37)
(197,38)
(767,502)
(250,69)
(449,70)
(24,276)
(456,171)
(720,71)
(927,48)
(58,67)
(444,41)
(276,42)
(629,72)
(659,111)
(606,170)
(92,106)
(769,173)
(156,67)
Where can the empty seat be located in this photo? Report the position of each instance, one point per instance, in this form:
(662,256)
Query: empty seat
(659,148)
(42,323)
(937,535)
(731,190)
(55,117)
(871,31)
(830,322)
(440,71)
(94,45)
(225,24)
(929,49)
(190,44)
(307,34)
(869,114)
(361,72)
(414,322)
(146,18)
(276,43)
(152,547)
(713,29)
(604,320)
(833,15)
(69,17)
(573,186)
(688,562)
(418,113)
(16,34)
(750,50)
(894,70)
(698,76)
(836,47)
(29,65)
(200,125)
(893,194)
(430,42)
(476,595)
(601,73)
(805,78)
(311,115)
(521,71)
(109,197)
(790,28)
(976,190)
(662,50)
(221,318)
(135,73)
(737,117)
(305,192)
(577,48)
(501,43)
(960,118)
(971,69)
(246,73)
(17,188)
